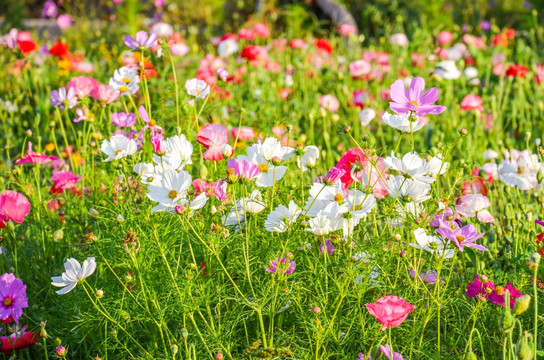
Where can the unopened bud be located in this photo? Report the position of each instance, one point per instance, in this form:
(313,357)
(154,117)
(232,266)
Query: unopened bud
(316,310)
(120,218)
(99,293)
(402,253)
(218,356)
(93,213)
(61,351)
(58,235)
(522,304)
(398,237)
(175,349)
(228,151)
(463,131)
(184,333)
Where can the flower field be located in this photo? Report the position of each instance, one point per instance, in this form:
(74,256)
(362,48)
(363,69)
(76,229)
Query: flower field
(270,191)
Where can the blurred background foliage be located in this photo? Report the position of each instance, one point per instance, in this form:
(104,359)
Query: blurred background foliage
(374,17)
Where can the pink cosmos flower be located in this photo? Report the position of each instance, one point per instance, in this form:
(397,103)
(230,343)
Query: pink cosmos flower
(83,85)
(429,276)
(64,21)
(327,245)
(471,205)
(214,137)
(32,158)
(329,102)
(244,170)
(359,68)
(390,311)
(243,133)
(361,98)
(157,140)
(472,102)
(483,288)
(123,119)
(247,34)
(333,175)
(104,94)
(261,30)
(347,30)
(149,123)
(143,41)
(281,265)
(461,236)
(12,297)
(445,37)
(13,206)
(477,42)
(375,174)
(415,99)
(217,189)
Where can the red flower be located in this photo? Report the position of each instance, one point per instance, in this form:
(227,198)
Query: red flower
(390,311)
(253,53)
(26,46)
(324,45)
(500,40)
(20,340)
(510,33)
(59,50)
(516,71)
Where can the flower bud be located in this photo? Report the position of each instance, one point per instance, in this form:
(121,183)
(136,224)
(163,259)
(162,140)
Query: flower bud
(99,293)
(463,132)
(184,333)
(61,351)
(402,253)
(522,304)
(316,310)
(228,151)
(175,349)
(93,213)
(58,342)
(120,218)
(536,258)
(507,321)
(218,356)
(470,356)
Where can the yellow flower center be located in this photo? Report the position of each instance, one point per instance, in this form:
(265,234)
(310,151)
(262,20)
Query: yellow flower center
(521,170)
(126,80)
(152,122)
(499,290)
(198,91)
(263,167)
(413,102)
(118,152)
(173,194)
(338,197)
(460,238)
(7,301)
(123,88)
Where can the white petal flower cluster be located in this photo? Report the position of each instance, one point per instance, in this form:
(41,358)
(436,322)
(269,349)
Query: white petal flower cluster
(125,80)
(73,273)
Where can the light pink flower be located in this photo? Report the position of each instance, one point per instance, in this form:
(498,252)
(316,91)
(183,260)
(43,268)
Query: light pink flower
(347,30)
(214,137)
(244,133)
(359,68)
(261,30)
(13,206)
(472,205)
(64,21)
(445,37)
(390,311)
(477,42)
(104,94)
(83,85)
(329,102)
(472,102)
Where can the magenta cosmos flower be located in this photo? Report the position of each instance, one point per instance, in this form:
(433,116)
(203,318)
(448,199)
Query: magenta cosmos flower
(461,236)
(484,288)
(415,100)
(32,158)
(143,41)
(123,119)
(13,206)
(390,311)
(214,137)
(12,297)
(281,265)
(243,169)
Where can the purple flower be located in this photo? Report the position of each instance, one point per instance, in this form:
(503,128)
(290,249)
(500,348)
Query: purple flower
(333,175)
(386,350)
(64,99)
(143,41)
(281,264)
(329,246)
(485,25)
(159,146)
(483,288)
(12,297)
(123,119)
(245,170)
(461,236)
(448,217)
(428,277)
(415,99)
(49,9)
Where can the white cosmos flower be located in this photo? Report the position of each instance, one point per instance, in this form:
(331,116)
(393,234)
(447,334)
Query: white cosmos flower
(281,218)
(447,70)
(271,148)
(407,189)
(73,273)
(309,158)
(146,171)
(118,147)
(178,154)
(411,165)
(125,80)
(252,205)
(435,165)
(262,155)
(490,155)
(227,47)
(197,87)
(170,190)
(401,122)
(520,169)
(433,244)
(322,196)
(323,224)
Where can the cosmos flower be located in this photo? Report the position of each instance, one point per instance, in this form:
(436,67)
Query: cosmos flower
(32,158)
(282,265)
(402,122)
(483,288)
(461,236)
(213,137)
(83,85)
(123,119)
(73,273)
(198,88)
(415,100)
(125,80)
(18,340)
(142,41)
(64,99)
(282,217)
(118,147)
(12,297)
